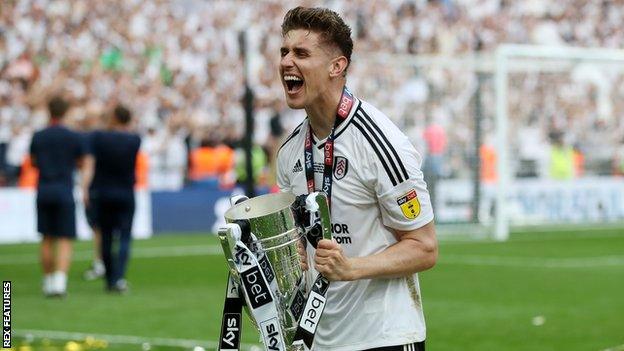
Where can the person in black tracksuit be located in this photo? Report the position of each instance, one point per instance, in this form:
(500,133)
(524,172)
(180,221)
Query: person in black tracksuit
(115,152)
(56,152)
(96,270)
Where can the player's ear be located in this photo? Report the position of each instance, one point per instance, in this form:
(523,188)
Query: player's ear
(338,67)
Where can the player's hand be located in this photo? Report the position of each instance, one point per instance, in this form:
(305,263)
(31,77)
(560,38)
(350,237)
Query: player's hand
(303,255)
(331,261)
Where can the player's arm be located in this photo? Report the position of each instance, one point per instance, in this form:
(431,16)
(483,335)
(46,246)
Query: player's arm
(415,251)
(393,172)
(86,165)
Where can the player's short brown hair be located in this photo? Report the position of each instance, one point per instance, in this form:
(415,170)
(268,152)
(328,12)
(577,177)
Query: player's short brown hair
(327,23)
(122,114)
(57,107)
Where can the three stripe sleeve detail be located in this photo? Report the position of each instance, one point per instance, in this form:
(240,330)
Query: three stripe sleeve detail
(386,153)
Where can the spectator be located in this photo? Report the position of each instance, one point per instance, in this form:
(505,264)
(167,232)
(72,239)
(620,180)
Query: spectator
(488,156)
(152,56)
(435,138)
(29,175)
(212,160)
(618,160)
(578,160)
(259,164)
(17,150)
(561,158)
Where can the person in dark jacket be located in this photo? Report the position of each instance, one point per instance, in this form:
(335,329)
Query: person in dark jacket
(112,191)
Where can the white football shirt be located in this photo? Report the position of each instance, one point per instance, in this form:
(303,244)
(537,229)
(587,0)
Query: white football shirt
(377,185)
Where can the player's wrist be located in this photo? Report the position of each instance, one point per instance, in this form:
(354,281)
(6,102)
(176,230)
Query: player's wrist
(354,272)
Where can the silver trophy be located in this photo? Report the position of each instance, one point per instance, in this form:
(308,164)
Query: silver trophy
(260,245)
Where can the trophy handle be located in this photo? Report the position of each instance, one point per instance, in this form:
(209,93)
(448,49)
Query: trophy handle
(236,199)
(319,227)
(323,212)
(228,235)
(231,323)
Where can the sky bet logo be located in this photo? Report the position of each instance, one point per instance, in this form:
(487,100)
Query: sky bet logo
(315,305)
(242,256)
(256,287)
(312,312)
(231,334)
(345,104)
(266,269)
(272,337)
(308,160)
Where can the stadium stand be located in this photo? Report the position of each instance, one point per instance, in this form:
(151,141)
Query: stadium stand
(177,64)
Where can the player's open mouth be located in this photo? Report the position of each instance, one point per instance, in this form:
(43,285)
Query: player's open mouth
(293,83)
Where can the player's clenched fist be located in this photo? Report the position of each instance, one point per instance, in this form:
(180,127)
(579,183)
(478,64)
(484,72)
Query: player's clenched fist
(331,262)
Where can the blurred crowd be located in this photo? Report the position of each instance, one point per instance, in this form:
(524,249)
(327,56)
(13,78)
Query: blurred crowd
(178,65)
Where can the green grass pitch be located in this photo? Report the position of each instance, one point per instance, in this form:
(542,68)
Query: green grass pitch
(546,291)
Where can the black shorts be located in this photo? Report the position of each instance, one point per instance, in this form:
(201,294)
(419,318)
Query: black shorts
(115,214)
(57,219)
(417,346)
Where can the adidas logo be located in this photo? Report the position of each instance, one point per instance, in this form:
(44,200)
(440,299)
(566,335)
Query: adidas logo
(298,167)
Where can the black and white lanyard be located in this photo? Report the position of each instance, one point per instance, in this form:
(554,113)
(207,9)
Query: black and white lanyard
(342,112)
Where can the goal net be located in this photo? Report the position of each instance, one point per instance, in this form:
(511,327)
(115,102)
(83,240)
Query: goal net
(559,136)
(523,136)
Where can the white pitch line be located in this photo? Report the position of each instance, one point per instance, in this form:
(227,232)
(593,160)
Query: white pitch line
(473,260)
(533,262)
(148,252)
(122,339)
(523,237)
(615,348)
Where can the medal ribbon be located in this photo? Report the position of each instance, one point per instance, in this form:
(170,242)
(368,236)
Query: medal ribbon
(344,107)
(315,303)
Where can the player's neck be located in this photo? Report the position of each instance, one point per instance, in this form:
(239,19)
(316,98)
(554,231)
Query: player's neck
(322,113)
(118,127)
(55,121)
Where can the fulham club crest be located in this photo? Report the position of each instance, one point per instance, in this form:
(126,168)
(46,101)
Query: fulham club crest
(341,167)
